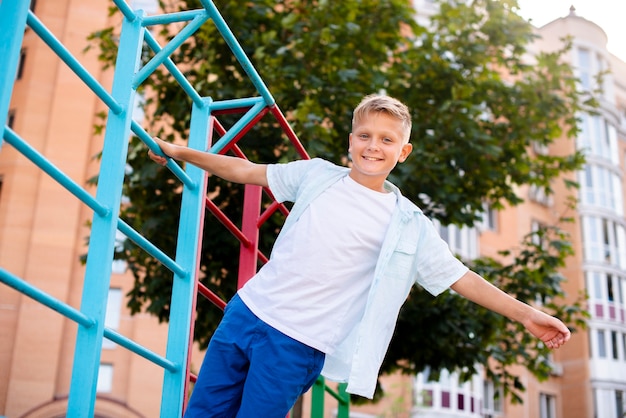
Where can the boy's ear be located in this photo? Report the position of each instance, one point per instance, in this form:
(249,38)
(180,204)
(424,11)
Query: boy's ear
(350,142)
(406,150)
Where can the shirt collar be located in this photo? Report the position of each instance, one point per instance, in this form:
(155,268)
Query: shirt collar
(405,206)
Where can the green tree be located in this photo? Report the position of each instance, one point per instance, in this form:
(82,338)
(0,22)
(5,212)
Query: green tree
(477,109)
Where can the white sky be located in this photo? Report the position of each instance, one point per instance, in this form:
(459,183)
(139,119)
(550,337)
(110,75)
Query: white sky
(610,15)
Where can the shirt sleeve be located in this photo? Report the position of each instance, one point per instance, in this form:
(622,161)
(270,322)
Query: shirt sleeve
(284,180)
(437,267)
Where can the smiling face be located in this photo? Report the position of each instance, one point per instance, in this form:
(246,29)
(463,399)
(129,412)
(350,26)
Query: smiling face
(377,143)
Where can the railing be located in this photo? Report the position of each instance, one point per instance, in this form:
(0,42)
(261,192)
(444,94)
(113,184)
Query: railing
(320,389)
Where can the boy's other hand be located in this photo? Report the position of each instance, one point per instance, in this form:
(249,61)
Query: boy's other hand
(548,329)
(165,147)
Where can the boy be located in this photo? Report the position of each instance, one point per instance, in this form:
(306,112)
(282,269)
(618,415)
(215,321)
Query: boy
(343,264)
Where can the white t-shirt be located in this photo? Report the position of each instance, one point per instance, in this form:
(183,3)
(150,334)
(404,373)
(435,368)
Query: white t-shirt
(314,287)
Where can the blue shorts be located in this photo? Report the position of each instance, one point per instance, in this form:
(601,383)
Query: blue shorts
(251,369)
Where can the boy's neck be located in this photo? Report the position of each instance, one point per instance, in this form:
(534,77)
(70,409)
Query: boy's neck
(376,183)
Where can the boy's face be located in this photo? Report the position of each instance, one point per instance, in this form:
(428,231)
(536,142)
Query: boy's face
(376,146)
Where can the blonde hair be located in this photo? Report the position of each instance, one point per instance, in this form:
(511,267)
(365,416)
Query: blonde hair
(379,103)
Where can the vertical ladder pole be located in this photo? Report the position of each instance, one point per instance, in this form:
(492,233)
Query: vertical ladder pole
(184,289)
(343,409)
(317,398)
(100,254)
(13,23)
(248,254)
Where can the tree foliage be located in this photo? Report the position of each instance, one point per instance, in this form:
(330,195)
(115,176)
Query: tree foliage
(477,109)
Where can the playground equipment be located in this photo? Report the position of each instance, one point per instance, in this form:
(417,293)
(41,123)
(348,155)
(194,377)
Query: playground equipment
(128,77)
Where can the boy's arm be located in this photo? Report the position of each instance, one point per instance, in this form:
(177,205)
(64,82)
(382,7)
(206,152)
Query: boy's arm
(235,169)
(547,328)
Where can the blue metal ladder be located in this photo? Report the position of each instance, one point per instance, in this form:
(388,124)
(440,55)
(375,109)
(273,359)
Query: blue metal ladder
(128,77)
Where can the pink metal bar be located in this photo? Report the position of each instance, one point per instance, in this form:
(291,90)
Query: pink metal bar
(210,295)
(242,109)
(227,223)
(289,132)
(248,254)
(238,152)
(262,257)
(242,131)
(269,212)
(219,128)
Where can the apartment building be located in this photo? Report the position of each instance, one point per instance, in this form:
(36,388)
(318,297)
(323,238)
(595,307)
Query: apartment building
(590,372)
(43,232)
(601,225)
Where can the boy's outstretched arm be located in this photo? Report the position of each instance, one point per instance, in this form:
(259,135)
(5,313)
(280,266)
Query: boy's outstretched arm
(237,170)
(547,328)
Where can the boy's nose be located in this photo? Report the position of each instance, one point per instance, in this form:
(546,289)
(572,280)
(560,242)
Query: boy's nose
(373,144)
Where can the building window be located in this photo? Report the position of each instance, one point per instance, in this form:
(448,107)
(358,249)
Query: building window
(537,230)
(427,398)
(460,401)
(609,287)
(604,139)
(598,137)
(620,409)
(492,400)
(139,103)
(11,118)
(119,266)
(584,68)
(113,314)
(601,187)
(595,285)
(612,141)
(462,241)
(547,408)
(540,194)
(614,347)
(540,149)
(445,399)
(601,344)
(105,378)
(604,241)
(583,140)
(20,65)
(601,70)
(489,218)
(606,295)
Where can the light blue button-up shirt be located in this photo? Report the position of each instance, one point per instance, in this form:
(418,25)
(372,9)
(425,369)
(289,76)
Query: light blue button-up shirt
(412,252)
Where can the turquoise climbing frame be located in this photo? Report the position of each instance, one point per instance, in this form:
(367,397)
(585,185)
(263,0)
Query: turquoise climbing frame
(128,77)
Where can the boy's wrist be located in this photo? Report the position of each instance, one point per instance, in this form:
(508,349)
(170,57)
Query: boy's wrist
(170,151)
